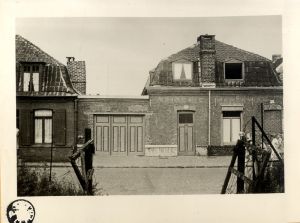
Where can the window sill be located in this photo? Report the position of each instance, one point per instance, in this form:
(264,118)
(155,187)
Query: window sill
(229,143)
(41,145)
(236,80)
(182,80)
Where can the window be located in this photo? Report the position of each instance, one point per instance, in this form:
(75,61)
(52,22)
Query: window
(234,70)
(185,118)
(231,126)
(43,126)
(31,77)
(182,71)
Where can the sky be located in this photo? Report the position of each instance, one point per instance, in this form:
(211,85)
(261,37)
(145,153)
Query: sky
(120,52)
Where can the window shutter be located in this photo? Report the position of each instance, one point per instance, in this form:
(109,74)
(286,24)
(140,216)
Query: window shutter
(26,130)
(59,127)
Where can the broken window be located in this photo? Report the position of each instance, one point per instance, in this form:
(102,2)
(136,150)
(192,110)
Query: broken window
(231,126)
(43,126)
(182,71)
(233,71)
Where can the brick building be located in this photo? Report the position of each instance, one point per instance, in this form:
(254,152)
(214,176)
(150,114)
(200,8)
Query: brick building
(46,103)
(198,98)
(201,96)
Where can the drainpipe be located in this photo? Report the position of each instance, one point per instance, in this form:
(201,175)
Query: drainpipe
(75,121)
(209,109)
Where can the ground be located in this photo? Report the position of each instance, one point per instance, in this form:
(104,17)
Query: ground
(144,181)
(153,175)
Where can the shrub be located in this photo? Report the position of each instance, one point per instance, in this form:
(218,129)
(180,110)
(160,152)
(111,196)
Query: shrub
(274,179)
(32,182)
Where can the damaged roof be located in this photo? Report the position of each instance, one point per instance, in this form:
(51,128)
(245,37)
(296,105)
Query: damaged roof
(54,80)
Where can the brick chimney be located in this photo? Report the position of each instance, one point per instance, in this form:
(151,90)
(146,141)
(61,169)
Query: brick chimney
(207,60)
(77,73)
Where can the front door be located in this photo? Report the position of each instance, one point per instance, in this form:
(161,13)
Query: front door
(186,133)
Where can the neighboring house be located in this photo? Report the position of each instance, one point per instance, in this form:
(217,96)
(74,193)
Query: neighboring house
(46,102)
(198,98)
(277,61)
(201,96)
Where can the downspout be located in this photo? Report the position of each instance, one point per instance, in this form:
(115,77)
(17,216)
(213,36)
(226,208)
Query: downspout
(209,109)
(75,122)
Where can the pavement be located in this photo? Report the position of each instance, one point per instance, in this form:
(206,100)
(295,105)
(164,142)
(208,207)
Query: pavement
(101,161)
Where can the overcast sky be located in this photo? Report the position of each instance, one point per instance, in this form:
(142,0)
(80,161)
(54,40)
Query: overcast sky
(119,52)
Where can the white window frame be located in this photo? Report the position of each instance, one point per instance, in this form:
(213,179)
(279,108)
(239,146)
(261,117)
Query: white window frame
(182,62)
(43,118)
(230,109)
(33,76)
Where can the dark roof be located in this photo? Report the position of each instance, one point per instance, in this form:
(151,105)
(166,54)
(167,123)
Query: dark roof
(223,53)
(258,69)
(55,80)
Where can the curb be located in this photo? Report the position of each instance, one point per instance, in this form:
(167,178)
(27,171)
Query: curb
(101,167)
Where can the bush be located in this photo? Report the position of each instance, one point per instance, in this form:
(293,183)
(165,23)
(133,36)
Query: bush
(35,183)
(274,179)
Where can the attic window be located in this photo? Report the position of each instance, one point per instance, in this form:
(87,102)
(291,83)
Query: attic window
(182,70)
(233,70)
(31,77)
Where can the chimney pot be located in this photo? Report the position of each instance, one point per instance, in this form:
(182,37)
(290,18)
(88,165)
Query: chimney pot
(70,59)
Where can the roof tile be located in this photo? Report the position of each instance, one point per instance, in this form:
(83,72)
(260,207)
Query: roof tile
(55,78)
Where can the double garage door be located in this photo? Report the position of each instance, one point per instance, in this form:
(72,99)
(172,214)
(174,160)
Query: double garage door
(119,134)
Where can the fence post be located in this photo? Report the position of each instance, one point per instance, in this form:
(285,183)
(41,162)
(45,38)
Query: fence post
(241,165)
(253,151)
(227,178)
(88,161)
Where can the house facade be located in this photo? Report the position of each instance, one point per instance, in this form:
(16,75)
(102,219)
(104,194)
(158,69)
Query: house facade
(46,96)
(200,97)
(196,99)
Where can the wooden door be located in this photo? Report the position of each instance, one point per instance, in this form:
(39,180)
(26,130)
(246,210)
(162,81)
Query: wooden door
(102,133)
(118,135)
(135,135)
(186,133)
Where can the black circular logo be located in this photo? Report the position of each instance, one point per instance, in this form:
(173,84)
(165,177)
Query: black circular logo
(20,211)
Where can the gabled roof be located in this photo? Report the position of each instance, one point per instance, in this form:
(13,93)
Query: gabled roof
(55,80)
(223,53)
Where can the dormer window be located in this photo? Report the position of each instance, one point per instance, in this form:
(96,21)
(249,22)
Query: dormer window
(233,70)
(31,77)
(182,70)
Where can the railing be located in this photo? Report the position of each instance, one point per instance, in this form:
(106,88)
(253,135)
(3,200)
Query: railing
(258,163)
(264,135)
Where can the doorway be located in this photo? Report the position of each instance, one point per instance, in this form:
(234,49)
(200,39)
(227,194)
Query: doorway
(186,133)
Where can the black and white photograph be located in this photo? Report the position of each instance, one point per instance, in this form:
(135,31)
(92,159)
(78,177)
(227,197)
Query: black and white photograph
(141,106)
(138,111)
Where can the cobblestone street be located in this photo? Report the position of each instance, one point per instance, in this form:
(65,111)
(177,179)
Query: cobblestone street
(151,175)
